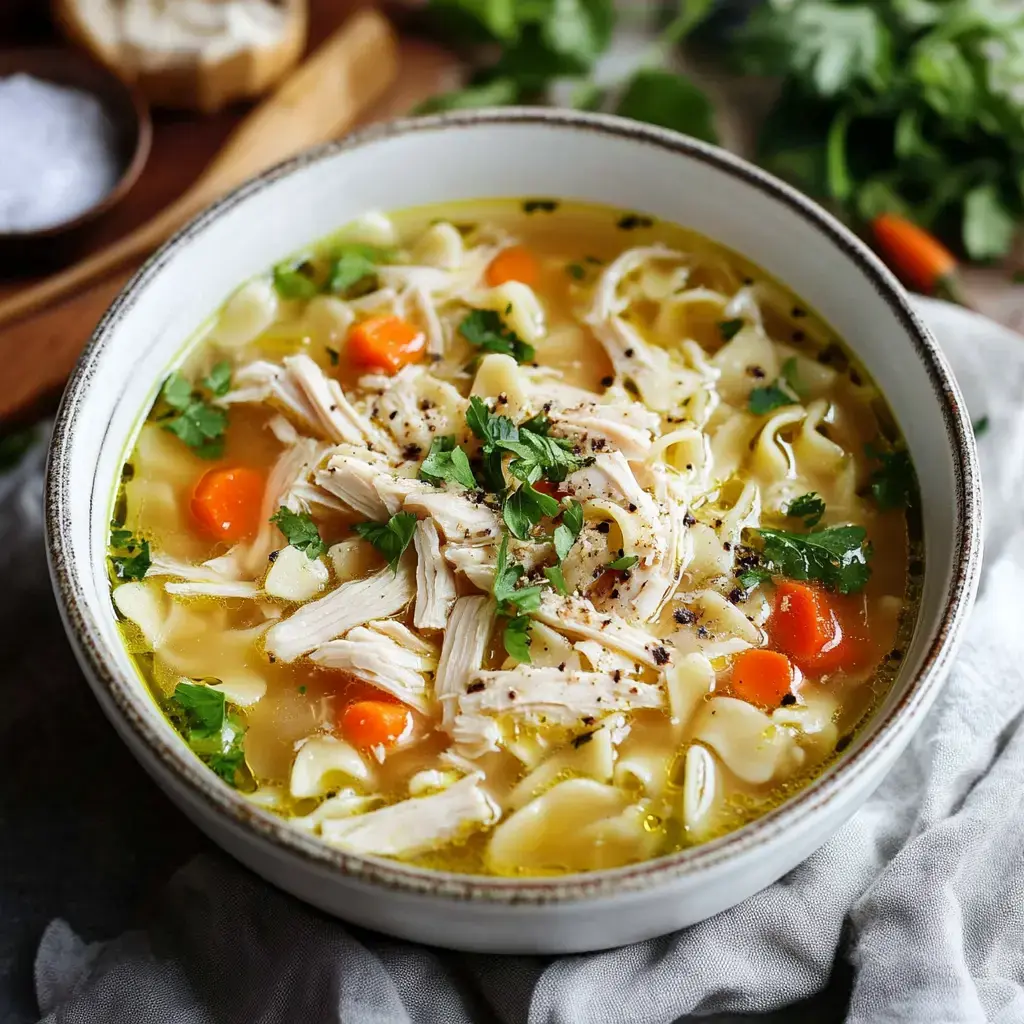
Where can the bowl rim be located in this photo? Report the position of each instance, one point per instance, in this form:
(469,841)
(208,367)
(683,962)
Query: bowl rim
(224,803)
(142,124)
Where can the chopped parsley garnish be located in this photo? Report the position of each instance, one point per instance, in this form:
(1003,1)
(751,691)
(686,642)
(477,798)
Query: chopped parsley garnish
(210,730)
(513,603)
(568,530)
(837,556)
(133,560)
(485,329)
(728,329)
(354,269)
(894,483)
(525,508)
(218,381)
(556,579)
(622,564)
(301,531)
(576,271)
(447,461)
(334,355)
(808,507)
(296,280)
(390,538)
(192,419)
(980,426)
(786,390)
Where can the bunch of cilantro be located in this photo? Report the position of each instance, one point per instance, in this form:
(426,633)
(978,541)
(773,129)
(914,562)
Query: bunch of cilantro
(913,107)
(526,46)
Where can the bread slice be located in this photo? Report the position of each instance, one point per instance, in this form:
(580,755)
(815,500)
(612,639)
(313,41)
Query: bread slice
(190,54)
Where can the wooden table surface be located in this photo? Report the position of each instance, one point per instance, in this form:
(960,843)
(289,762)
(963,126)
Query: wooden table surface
(182,146)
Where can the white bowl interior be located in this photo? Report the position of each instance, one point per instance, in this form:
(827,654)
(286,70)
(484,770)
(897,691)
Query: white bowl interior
(434,163)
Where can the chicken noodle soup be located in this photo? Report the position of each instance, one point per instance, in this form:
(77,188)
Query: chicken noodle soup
(516,538)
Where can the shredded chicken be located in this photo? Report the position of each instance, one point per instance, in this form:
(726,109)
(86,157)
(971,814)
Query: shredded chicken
(352,604)
(383,661)
(465,643)
(435,581)
(418,824)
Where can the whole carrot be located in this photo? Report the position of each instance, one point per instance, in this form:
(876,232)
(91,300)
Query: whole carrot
(919,258)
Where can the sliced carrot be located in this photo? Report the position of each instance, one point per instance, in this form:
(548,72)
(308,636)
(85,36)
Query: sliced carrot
(802,623)
(374,723)
(227,503)
(385,343)
(515,263)
(762,677)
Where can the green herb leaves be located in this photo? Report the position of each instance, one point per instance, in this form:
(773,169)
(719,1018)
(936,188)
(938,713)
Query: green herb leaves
(728,329)
(301,531)
(191,417)
(894,483)
(132,560)
(837,556)
(350,271)
(808,507)
(390,538)
(906,107)
(447,461)
(214,734)
(569,529)
(525,508)
(485,329)
(662,97)
(513,603)
(784,391)
(623,563)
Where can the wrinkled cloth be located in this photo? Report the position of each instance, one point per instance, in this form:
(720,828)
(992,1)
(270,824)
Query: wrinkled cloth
(913,912)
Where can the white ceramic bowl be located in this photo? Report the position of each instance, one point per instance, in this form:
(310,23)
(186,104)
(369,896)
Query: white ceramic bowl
(517,153)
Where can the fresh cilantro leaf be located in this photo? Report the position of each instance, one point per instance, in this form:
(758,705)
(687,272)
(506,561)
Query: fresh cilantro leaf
(487,426)
(507,595)
(808,507)
(894,483)
(447,461)
(120,538)
(485,329)
(295,280)
(201,427)
(301,531)
(622,564)
(538,424)
(206,708)
(576,271)
(352,266)
(980,426)
(214,734)
(516,638)
(218,382)
(390,538)
(664,98)
(333,355)
(728,329)
(525,508)
(837,556)
(135,564)
(177,392)
(551,457)
(556,579)
(752,577)
(764,399)
(569,529)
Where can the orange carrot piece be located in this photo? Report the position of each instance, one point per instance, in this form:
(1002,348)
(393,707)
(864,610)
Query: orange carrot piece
(921,260)
(374,723)
(226,503)
(515,263)
(802,623)
(385,343)
(762,677)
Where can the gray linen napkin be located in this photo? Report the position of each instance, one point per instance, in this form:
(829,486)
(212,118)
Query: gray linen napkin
(922,892)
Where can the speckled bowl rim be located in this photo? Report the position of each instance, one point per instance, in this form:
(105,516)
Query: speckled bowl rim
(203,786)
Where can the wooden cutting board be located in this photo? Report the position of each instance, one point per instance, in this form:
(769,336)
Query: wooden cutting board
(38,352)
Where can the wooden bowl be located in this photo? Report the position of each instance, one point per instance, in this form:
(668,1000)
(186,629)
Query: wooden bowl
(24,252)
